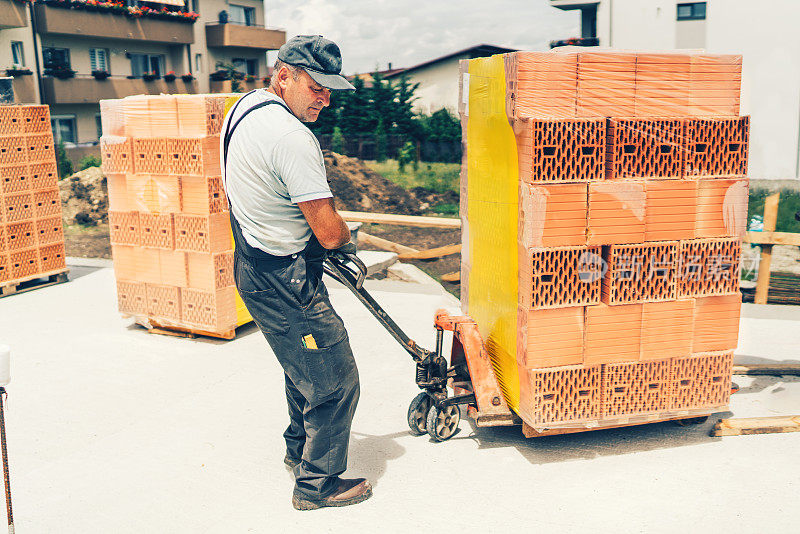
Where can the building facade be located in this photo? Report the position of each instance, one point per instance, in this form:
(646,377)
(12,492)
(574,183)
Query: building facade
(766,36)
(71,55)
(438,78)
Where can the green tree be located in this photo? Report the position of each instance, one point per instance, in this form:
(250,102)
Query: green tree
(408,154)
(62,161)
(89,161)
(380,141)
(354,116)
(404,118)
(233,74)
(337,142)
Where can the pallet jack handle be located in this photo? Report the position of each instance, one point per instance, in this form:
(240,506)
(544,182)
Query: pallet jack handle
(337,266)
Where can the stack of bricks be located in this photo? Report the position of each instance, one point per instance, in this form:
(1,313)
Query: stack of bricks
(31,228)
(168,213)
(633,201)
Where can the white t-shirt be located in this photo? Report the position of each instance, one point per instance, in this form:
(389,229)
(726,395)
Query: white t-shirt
(274,162)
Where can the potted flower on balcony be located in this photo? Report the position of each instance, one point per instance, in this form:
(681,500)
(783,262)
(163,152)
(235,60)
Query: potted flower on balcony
(60,71)
(150,76)
(219,76)
(170,76)
(249,78)
(187,78)
(16,70)
(100,74)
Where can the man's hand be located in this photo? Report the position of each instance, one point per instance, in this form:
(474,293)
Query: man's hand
(327,225)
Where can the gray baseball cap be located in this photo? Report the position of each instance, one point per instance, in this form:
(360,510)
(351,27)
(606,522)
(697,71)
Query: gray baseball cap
(319,57)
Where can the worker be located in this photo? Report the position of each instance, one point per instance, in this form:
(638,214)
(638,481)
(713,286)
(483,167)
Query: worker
(284,223)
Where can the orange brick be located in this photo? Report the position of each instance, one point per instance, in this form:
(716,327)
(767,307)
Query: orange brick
(10,121)
(124,227)
(24,264)
(209,271)
(560,395)
(553,215)
(150,156)
(118,199)
(199,115)
(125,262)
(532,77)
(666,329)
(35,119)
(709,267)
(634,388)
(173,268)
(559,277)
(202,195)
(211,233)
(163,302)
(17,207)
(5,267)
(613,333)
(194,156)
(701,381)
(157,230)
(52,257)
(43,176)
(616,213)
(644,148)
(136,118)
(14,179)
(49,231)
(116,155)
(46,203)
(671,209)
(162,112)
(18,236)
(131,298)
(716,323)
(12,151)
(214,311)
(567,150)
(716,147)
(551,338)
(147,265)
(645,272)
(721,208)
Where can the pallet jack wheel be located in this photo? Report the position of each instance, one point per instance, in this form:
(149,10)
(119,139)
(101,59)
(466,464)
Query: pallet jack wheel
(418,414)
(443,423)
(691,421)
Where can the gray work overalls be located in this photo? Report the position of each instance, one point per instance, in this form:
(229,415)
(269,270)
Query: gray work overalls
(289,302)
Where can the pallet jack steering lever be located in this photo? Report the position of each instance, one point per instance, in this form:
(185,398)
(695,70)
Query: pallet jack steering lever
(337,266)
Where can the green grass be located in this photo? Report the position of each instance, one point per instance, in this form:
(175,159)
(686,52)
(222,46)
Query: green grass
(439,177)
(789,205)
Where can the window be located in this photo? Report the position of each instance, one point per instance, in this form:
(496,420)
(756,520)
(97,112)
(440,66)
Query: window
(56,58)
(99,123)
(17,53)
(242,15)
(142,64)
(246,66)
(63,128)
(198,63)
(693,11)
(98,59)
(196,6)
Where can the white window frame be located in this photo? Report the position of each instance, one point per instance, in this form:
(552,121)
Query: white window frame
(54,119)
(159,58)
(198,63)
(98,59)
(18,53)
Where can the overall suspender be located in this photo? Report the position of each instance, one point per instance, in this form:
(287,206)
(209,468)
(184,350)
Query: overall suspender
(242,246)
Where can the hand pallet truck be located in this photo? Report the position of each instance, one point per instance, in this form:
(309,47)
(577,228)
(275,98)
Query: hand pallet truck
(469,372)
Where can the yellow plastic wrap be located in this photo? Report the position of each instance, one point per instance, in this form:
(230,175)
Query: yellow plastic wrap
(490,221)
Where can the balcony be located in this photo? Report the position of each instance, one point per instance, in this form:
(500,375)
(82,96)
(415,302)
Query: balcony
(241,36)
(58,21)
(573,4)
(12,14)
(88,90)
(24,89)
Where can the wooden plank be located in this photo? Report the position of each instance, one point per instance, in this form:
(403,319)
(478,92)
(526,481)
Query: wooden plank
(772,370)
(403,220)
(455,276)
(15,287)
(770,220)
(772,238)
(431,253)
(757,425)
(383,244)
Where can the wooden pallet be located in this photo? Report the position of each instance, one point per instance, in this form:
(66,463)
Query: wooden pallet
(155,327)
(36,281)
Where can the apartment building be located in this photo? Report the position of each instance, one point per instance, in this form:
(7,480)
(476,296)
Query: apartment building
(764,33)
(72,54)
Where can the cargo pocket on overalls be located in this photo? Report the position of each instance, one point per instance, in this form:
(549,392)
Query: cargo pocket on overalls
(261,300)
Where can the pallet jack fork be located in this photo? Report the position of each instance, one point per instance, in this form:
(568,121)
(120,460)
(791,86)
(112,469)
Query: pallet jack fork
(469,372)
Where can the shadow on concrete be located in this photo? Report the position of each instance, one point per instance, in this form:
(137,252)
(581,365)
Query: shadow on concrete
(596,443)
(371,454)
(743,359)
(760,383)
(78,271)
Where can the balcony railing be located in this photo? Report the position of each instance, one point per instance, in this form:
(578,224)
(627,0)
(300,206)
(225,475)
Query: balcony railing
(54,20)
(12,14)
(226,86)
(88,90)
(242,36)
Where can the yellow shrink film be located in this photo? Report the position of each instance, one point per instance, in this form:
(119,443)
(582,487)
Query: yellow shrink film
(578,159)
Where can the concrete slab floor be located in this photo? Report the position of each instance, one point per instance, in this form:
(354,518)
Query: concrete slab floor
(111,429)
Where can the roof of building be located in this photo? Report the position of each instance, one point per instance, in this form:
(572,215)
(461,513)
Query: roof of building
(481,50)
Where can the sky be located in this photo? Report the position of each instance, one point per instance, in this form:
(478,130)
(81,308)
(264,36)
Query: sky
(373,33)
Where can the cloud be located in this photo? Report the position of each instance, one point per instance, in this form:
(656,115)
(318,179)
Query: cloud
(407,32)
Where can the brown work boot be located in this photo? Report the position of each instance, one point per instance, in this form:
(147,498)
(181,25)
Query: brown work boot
(350,491)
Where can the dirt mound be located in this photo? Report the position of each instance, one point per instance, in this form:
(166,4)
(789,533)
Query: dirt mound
(429,198)
(358,188)
(84,197)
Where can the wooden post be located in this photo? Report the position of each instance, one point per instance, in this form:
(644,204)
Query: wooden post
(770,220)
